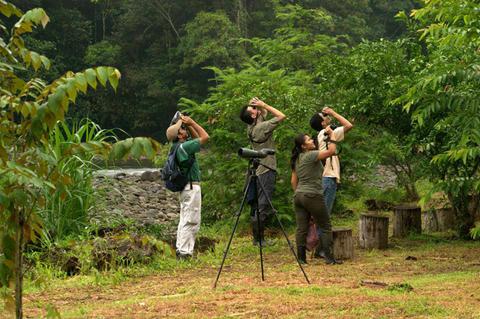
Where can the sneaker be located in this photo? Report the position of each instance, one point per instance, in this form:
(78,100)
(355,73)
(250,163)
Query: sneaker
(183,257)
(268,242)
(319,254)
(333,261)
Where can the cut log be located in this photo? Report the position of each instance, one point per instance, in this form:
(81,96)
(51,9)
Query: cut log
(373,231)
(407,219)
(342,243)
(438,220)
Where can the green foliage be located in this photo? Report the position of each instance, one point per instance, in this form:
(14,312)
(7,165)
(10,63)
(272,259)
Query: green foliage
(67,208)
(211,39)
(160,46)
(475,232)
(286,86)
(299,84)
(299,41)
(102,53)
(443,101)
(29,164)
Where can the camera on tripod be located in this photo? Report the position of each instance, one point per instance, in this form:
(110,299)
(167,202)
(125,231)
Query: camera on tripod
(248,153)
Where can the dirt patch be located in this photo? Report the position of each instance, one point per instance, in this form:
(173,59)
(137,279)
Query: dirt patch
(439,273)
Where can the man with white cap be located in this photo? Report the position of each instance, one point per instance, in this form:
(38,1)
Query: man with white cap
(190,196)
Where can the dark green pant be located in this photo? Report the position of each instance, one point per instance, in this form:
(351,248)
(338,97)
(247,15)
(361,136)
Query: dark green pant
(310,205)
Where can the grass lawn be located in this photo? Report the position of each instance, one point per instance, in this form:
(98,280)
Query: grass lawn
(443,282)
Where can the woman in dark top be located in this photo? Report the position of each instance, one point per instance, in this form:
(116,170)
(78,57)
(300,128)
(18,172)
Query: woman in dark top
(307,169)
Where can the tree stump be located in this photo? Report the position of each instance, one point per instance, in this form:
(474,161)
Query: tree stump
(406,219)
(342,243)
(373,231)
(438,220)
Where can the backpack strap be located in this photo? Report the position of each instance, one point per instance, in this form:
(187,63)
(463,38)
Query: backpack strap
(191,160)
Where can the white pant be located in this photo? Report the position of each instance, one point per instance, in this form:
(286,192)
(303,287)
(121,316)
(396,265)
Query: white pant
(189,224)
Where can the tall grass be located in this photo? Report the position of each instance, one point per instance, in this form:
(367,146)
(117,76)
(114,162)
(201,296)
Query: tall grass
(67,209)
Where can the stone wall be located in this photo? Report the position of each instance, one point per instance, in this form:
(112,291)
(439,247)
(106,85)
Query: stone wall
(136,194)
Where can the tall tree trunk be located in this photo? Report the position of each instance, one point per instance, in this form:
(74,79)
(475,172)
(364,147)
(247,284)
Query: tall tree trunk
(411,189)
(95,23)
(242,17)
(19,266)
(166,14)
(104,18)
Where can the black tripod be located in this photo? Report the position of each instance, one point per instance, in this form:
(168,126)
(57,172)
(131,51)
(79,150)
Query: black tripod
(251,182)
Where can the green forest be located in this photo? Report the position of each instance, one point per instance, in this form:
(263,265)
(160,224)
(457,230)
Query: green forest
(89,84)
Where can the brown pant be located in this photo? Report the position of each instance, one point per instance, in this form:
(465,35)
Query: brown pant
(310,205)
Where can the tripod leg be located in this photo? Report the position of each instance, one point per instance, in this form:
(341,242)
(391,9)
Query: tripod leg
(257,212)
(285,234)
(238,213)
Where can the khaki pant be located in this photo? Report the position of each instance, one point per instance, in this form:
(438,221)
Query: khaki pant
(310,205)
(190,216)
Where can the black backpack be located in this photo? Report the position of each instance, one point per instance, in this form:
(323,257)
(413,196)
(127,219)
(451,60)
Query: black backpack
(175,179)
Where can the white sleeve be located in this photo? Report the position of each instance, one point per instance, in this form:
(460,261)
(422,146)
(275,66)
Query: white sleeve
(319,136)
(339,134)
(321,142)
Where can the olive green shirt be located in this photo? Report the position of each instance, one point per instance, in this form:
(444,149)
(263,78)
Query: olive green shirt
(260,135)
(186,150)
(309,173)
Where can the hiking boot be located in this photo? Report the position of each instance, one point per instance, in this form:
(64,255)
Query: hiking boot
(302,254)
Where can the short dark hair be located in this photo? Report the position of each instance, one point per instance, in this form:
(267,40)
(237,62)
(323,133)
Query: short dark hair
(245,115)
(316,122)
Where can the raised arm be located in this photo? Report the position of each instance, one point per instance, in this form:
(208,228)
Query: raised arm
(294,180)
(193,132)
(264,106)
(347,126)
(202,134)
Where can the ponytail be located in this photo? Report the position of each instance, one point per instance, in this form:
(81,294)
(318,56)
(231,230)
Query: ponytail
(297,149)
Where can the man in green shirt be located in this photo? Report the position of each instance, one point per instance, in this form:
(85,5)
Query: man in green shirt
(260,131)
(191,196)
